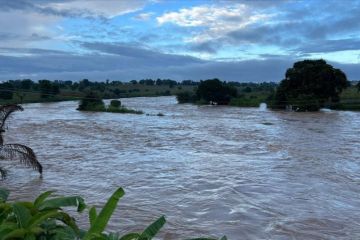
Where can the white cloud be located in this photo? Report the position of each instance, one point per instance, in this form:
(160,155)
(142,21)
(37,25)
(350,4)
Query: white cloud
(89,8)
(217,20)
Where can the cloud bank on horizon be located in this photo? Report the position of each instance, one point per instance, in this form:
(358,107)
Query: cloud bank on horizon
(123,40)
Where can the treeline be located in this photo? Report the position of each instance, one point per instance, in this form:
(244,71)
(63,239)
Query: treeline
(27,90)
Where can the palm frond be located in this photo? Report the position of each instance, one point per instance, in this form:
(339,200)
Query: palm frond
(5,111)
(22,153)
(3,173)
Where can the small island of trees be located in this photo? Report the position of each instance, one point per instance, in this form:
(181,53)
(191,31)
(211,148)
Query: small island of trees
(92,102)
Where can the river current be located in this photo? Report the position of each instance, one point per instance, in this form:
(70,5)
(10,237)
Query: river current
(248,173)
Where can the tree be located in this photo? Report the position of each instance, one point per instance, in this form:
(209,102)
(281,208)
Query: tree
(91,102)
(15,151)
(310,85)
(48,89)
(6,90)
(215,92)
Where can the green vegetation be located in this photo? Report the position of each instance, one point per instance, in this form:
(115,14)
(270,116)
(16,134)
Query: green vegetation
(231,93)
(310,85)
(10,152)
(92,102)
(214,91)
(45,219)
(27,91)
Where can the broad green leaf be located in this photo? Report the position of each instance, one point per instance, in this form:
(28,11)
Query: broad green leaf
(56,203)
(5,210)
(41,198)
(223,238)
(18,233)
(153,229)
(42,216)
(4,194)
(65,233)
(92,215)
(112,236)
(130,236)
(36,230)
(30,236)
(6,228)
(22,214)
(69,221)
(104,216)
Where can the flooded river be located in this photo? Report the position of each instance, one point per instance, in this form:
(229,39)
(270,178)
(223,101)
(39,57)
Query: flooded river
(246,173)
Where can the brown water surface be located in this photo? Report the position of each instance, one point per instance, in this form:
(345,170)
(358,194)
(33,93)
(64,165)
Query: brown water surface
(244,172)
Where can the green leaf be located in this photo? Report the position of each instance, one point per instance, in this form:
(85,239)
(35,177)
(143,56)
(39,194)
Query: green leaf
(30,237)
(6,228)
(42,216)
(41,198)
(69,221)
(56,203)
(22,214)
(103,218)
(130,236)
(153,229)
(92,215)
(65,233)
(4,194)
(17,233)
(223,238)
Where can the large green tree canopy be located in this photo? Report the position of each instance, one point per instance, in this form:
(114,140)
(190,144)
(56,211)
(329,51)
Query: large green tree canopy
(310,85)
(215,91)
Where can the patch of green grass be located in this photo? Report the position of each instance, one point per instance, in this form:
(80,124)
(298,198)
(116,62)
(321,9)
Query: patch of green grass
(253,99)
(123,109)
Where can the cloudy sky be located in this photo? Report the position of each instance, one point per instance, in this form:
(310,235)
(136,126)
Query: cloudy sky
(249,40)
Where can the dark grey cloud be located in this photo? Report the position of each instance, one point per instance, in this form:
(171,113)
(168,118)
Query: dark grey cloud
(330,46)
(33,51)
(87,10)
(207,47)
(121,62)
(132,52)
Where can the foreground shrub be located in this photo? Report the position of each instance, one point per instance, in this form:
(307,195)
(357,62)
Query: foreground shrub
(45,219)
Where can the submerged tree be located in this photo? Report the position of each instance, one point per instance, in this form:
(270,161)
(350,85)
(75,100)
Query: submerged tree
(215,91)
(310,85)
(91,102)
(15,151)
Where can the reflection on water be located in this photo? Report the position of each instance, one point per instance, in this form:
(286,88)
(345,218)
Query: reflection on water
(211,170)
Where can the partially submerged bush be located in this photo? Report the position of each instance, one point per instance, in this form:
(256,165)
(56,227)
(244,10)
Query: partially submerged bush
(115,103)
(186,97)
(45,219)
(91,102)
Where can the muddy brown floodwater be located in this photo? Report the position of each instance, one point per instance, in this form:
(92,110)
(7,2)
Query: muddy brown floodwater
(248,173)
